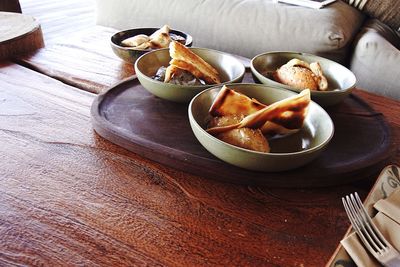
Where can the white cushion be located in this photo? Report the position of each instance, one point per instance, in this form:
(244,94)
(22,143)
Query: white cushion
(375,62)
(243,27)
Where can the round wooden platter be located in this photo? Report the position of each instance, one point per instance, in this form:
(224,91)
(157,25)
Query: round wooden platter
(19,34)
(131,117)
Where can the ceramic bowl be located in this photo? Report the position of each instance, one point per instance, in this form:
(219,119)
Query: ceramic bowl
(230,68)
(341,80)
(287,152)
(130,55)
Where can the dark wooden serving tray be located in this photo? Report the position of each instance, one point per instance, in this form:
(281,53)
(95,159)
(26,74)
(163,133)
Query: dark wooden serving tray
(131,117)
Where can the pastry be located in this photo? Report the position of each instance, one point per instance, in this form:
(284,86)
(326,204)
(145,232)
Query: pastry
(160,38)
(229,102)
(247,138)
(315,67)
(183,58)
(175,75)
(301,75)
(140,41)
(252,139)
(244,122)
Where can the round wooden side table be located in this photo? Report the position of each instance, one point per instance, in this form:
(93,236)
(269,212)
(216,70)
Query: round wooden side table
(19,34)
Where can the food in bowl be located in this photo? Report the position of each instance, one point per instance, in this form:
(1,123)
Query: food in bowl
(287,152)
(341,81)
(245,122)
(159,39)
(229,67)
(186,68)
(301,75)
(129,53)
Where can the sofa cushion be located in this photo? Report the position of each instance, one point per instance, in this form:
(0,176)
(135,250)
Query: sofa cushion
(375,59)
(243,27)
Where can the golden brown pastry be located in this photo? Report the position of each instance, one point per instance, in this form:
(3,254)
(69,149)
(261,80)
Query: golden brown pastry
(170,72)
(289,113)
(315,67)
(301,75)
(272,129)
(183,58)
(229,102)
(242,121)
(140,42)
(298,77)
(174,75)
(160,38)
(252,139)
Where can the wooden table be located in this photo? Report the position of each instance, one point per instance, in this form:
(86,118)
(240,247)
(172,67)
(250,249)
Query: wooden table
(69,197)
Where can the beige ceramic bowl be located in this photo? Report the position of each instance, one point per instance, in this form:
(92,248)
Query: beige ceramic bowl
(286,152)
(230,68)
(340,79)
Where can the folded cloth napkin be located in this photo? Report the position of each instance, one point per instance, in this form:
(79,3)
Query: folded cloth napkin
(390,205)
(387,220)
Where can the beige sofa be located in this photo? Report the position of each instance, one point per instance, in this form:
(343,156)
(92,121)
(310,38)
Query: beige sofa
(251,27)
(374,59)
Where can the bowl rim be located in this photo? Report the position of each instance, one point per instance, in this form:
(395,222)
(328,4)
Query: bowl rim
(170,85)
(189,38)
(314,92)
(306,151)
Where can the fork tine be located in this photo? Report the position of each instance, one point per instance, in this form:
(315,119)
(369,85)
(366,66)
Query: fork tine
(362,223)
(380,240)
(350,213)
(370,236)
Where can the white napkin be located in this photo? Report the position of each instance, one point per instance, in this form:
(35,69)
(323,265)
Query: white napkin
(387,221)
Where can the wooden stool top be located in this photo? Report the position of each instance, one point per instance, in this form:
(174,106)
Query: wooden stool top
(19,34)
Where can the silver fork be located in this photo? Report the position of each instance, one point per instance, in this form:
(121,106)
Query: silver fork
(371,237)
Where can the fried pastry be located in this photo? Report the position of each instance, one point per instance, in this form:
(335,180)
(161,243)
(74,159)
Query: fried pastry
(140,42)
(288,113)
(272,129)
(183,58)
(252,139)
(224,120)
(170,72)
(298,77)
(160,38)
(229,102)
(315,67)
(242,121)
(301,75)
(175,75)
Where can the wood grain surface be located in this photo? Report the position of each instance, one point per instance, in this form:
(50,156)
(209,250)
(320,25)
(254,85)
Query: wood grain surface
(84,60)
(68,197)
(60,19)
(19,34)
